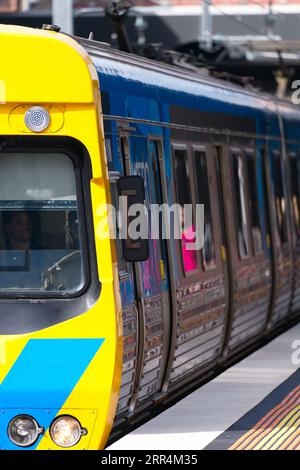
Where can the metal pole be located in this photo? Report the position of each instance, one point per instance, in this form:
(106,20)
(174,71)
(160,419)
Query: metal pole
(270,20)
(62,15)
(25,5)
(206,25)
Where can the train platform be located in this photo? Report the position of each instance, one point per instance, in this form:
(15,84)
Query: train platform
(253,405)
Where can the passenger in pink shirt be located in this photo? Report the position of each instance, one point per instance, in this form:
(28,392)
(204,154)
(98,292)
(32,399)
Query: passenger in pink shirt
(188,237)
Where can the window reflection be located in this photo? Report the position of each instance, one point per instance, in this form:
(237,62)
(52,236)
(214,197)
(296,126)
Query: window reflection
(256,228)
(203,195)
(240,198)
(281,214)
(183,190)
(295,188)
(39,224)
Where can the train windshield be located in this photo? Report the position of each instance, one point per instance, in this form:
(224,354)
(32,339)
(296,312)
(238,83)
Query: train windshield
(40,242)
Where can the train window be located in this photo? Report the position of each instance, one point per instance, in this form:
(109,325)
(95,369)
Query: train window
(295,189)
(241,204)
(264,198)
(203,196)
(184,197)
(154,149)
(256,227)
(281,214)
(125,154)
(39,225)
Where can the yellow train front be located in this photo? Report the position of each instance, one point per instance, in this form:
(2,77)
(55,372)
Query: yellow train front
(59,343)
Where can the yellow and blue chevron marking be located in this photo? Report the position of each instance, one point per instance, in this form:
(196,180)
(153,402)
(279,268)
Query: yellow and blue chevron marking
(41,380)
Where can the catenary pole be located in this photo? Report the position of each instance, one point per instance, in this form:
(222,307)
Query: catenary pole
(206,25)
(62,15)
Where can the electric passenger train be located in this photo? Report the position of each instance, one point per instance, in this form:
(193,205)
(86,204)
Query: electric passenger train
(95,332)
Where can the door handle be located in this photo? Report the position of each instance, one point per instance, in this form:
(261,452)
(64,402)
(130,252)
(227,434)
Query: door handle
(162,270)
(223,253)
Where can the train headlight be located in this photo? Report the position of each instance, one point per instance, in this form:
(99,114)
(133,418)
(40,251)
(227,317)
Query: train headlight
(24,431)
(37,119)
(66,431)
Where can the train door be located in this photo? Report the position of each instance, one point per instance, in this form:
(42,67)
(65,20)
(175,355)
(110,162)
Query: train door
(197,274)
(281,237)
(225,243)
(249,257)
(220,267)
(129,309)
(142,156)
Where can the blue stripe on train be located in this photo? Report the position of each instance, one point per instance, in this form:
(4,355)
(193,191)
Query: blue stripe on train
(41,380)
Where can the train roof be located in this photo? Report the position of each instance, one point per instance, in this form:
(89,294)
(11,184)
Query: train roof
(113,62)
(100,50)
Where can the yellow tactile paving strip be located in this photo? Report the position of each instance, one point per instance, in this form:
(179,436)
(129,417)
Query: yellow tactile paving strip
(279,429)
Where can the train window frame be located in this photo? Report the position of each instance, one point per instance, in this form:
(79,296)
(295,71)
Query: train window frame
(125,152)
(263,152)
(293,156)
(250,152)
(84,245)
(276,153)
(203,149)
(184,147)
(122,263)
(22,315)
(158,142)
(239,152)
